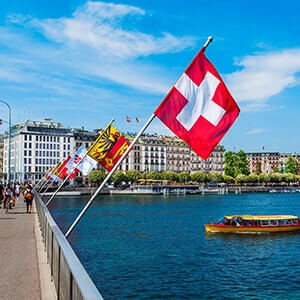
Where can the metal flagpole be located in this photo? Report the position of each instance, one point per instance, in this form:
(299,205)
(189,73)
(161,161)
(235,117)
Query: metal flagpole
(48,187)
(37,184)
(108,176)
(47,181)
(43,185)
(209,40)
(75,167)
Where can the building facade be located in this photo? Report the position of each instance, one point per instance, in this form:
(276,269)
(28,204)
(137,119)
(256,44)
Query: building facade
(36,146)
(263,162)
(160,153)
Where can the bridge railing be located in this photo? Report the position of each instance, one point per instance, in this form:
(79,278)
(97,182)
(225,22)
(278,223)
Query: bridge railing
(70,278)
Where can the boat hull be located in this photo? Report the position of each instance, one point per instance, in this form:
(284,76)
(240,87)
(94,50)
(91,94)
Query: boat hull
(211,228)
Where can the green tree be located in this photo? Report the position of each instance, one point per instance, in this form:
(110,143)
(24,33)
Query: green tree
(291,165)
(236,163)
(229,163)
(152,175)
(184,177)
(265,178)
(170,176)
(119,177)
(214,177)
(228,179)
(133,176)
(240,179)
(199,177)
(96,176)
(252,178)
(289,177)
(275,169)
(276,177)
(242,164)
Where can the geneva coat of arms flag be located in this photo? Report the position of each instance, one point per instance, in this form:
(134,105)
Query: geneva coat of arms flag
(199,109)
(109,147)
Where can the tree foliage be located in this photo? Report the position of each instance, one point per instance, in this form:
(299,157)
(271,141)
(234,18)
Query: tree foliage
(214,177)
(199,177)
(236,163)
(152,175)
(119,177)
(184,177)
(291,165)
(133,176)
(96,176)
(170,176)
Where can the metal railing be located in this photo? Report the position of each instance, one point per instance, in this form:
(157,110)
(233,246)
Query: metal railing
(70,278)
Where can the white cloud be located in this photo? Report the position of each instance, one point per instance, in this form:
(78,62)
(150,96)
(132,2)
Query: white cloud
(256,131)
(98,25)
(264,75)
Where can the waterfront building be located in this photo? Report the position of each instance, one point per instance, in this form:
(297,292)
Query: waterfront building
(178,155)
(263,162)
(35,147)
(215,162)
(149,154)
(160,153)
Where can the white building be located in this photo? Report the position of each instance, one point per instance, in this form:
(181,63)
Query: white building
(35,147)
(149,154)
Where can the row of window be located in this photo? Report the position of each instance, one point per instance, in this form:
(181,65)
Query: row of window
(46,161)
(43,138)
(47,153)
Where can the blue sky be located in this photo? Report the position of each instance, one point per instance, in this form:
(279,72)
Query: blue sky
(83,63)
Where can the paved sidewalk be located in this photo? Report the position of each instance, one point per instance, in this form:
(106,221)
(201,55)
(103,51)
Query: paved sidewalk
(18,255)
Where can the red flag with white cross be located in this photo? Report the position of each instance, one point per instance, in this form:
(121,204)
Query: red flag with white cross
(199,109)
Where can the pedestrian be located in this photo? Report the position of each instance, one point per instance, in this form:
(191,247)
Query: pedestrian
(17,190)
(1,194)
(28,198)
(7,194)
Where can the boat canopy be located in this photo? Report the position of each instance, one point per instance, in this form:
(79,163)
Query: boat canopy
(262,217)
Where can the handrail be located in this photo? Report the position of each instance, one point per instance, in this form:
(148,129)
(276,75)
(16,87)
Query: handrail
(76,276)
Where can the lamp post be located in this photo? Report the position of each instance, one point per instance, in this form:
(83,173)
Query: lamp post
(8,148)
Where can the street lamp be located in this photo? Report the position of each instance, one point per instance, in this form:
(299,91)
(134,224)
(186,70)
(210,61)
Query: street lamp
(8,148)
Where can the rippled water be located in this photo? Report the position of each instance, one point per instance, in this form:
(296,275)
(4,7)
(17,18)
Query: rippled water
(155,247)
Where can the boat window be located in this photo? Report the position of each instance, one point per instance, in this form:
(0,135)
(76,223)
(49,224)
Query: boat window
(256,223)
(280,222)
(247,223)
(295,221)
(273,222)
(288,222)
(264,222)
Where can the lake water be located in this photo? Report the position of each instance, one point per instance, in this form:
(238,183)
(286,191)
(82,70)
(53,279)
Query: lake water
(155,247)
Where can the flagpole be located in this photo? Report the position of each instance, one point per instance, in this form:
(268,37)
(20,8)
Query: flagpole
(109,176)
(70,173)
(209,40)
(48,187)
(43,185)
(43,178)
(51,183)
(38,182)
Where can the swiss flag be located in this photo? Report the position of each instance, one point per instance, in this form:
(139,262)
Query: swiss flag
(199,109)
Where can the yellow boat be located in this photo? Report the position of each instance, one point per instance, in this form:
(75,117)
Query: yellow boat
(255,224)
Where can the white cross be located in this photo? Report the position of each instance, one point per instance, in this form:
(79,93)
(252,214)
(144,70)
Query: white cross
(199,101)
